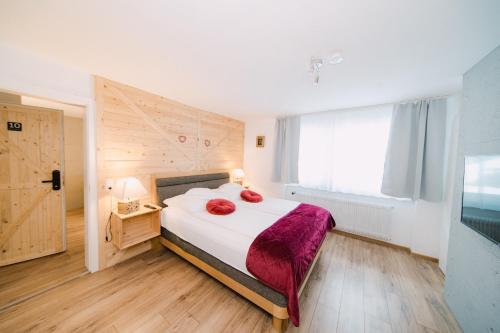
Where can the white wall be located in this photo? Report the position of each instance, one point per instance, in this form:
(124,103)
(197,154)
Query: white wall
(258,162)
(31,75)
(453,130)
(419,225)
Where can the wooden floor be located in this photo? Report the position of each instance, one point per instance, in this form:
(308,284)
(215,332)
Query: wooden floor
(23,280)
(355,287)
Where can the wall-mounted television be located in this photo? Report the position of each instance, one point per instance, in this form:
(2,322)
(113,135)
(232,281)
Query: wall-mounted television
(481,195)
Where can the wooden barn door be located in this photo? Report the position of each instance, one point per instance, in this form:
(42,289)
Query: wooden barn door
(31,200)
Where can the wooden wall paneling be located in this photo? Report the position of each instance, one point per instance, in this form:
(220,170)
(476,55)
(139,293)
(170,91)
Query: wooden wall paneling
(221,141)
(140,134)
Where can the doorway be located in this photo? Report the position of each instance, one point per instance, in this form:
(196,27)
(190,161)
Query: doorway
(41,179)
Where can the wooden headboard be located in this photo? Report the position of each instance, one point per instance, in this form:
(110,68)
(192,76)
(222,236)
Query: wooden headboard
(168,187)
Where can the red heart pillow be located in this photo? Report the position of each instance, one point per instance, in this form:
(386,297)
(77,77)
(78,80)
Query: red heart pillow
(250,196)
(220,207)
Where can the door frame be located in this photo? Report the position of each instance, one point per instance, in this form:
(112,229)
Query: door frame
(90,163)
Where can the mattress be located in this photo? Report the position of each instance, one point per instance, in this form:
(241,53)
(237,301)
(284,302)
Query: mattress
(227,237)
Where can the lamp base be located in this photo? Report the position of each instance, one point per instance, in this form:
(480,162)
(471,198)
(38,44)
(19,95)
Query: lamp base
(128,206)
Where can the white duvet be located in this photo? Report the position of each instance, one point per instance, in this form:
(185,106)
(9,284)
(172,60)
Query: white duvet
(226,237)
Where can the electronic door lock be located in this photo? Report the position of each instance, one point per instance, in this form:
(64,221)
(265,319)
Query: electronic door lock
(56,180)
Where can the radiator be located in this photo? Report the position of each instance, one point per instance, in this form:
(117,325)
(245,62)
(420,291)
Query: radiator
(354,216)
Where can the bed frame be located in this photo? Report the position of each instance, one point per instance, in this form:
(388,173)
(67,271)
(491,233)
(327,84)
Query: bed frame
(167,186)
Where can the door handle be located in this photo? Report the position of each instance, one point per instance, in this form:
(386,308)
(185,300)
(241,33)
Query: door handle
(56,180)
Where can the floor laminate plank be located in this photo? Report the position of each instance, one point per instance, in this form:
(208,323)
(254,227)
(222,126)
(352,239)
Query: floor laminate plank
(415,291)
(244,320)
(188,298)
(150,322)
(374,324)
(331,293)
(351,314)
(374,302)
(158,299)
(221,314)
(400,313)
(325,319)
(442,316)
(185,324)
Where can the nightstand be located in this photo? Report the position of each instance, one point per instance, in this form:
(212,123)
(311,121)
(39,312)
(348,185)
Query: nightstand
(134,228)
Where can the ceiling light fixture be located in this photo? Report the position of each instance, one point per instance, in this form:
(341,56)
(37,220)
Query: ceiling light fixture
(317,63)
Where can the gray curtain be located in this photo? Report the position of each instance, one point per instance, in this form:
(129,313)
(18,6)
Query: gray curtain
(414,164)
(286,152)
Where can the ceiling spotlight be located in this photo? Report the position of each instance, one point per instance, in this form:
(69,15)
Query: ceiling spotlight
(315,66)
(316,79)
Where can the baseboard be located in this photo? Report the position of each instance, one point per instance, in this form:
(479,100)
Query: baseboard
(423,256)
(383,243)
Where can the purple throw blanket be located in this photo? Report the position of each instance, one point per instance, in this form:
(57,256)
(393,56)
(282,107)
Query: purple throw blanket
(281,255)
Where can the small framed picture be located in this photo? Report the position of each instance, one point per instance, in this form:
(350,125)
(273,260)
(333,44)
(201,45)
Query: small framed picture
(261,139)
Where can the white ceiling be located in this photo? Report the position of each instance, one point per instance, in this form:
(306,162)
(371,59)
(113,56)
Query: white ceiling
(246,58)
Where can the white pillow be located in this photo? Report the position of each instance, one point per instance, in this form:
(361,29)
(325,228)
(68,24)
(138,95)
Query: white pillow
(200,192)
(174,201)
(231,187)
(191,204)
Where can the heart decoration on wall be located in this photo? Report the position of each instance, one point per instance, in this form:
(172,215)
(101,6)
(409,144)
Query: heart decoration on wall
(207,143)
(182,138)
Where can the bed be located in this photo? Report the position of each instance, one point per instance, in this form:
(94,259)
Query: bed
(219,245)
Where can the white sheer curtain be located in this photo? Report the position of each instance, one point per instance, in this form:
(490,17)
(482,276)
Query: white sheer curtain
(344,151)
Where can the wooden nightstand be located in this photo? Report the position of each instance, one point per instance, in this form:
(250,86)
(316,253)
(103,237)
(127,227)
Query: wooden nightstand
(134,228)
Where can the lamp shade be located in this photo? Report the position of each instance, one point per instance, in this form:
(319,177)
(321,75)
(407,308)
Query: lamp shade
(238,173)
(127,188)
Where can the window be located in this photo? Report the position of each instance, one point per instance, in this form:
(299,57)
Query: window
(344,151)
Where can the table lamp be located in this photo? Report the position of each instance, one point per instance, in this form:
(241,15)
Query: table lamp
(238,175)
(128,190)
